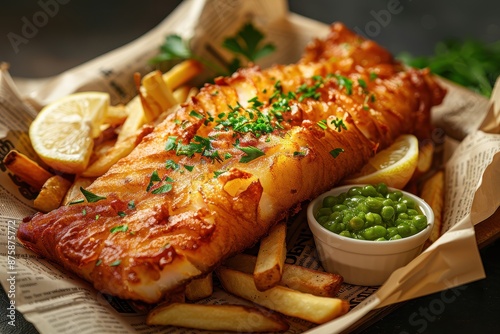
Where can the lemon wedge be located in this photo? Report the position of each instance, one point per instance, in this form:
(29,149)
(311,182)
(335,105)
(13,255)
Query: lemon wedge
(394,165)
(63,131)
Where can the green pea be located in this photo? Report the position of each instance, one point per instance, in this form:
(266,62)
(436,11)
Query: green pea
(401,207)
(345,233)
(382,189)
(396,237)
(387,212)
(420,222)
(381,239)
(374,205)
(329,201)
(356,223)
(403,215)
(369,190)
(354,191)
(362,207)
(410,204)
(412,212)
(373,218)
(388,202)
(322,220)
(404,230)
(392,231)
(374,232)
(339,207)
(395,195)
(347,216)
(324,212)
(413,229)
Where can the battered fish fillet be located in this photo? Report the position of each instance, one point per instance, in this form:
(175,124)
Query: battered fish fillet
(212,178)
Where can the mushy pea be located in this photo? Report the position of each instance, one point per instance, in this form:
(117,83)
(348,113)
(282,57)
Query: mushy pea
(371,212)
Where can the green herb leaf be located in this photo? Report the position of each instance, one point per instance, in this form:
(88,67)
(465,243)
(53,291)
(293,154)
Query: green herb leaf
(336,151)
(97,217)
(162,189)
(219,172)
(362,83)
(121,214)
(194,113)
(153,178)
(174,48)
(131,205)
(98,263)
(373,76)
(90,197)
(344,82)
(322,124)
(171,143)
(119,228)
(76,202)
(115,263)
(299,154)
(247,42)
(171,164)
(189,168)
(339,124)
(251,152)
(84,212)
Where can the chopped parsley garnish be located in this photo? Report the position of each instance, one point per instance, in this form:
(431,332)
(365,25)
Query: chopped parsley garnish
(115,263)
(227,155)
(362,83)
(322,124)
(171,143)
(373,76)
(84,212)
(299,154)
(121,214)
(171,164)
(189,168)
(336,151)
(251,152)
(97,217)
(199,144)
(162,189)
(98,262)
(219,172)
(344,82)
(153,178)
(306,91)
(194,113)
(78,201)
(339,124)
(90,197)
(119,228)
(131,205)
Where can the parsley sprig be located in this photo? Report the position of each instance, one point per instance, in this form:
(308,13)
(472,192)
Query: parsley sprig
(246,45)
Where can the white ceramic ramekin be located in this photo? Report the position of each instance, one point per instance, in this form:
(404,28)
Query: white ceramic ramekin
(363,262)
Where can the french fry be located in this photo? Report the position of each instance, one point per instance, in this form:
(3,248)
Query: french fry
(52,194)
(295,277)
(271,258)
(199,288)
(425,152)
(236,318)
(116,115)
(182,73)
(26,169)
(287,301)
(120,150)
(182,93)
(158,95)
(74,191)
(433,193)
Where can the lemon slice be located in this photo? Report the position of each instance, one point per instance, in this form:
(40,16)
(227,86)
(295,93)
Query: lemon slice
(63,131)
(394,166)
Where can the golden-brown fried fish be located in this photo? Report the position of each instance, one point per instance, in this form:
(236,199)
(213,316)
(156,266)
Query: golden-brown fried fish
(212,178)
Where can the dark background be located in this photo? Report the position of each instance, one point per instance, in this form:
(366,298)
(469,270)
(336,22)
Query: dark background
(82,30)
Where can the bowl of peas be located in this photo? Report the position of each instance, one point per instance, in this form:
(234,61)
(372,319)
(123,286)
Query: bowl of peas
(366,232)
